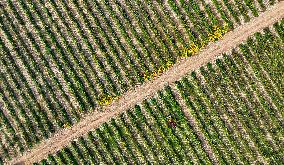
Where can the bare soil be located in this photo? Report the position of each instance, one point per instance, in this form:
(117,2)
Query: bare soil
(130,98)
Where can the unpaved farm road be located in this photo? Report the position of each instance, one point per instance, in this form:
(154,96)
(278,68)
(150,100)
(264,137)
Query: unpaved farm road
(130,98)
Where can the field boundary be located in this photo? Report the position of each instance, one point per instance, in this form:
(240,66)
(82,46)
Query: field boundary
(148,89)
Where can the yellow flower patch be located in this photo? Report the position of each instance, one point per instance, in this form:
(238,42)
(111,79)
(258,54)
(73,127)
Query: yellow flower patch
(160,70)
(217,34)
(106,100)
(193,48)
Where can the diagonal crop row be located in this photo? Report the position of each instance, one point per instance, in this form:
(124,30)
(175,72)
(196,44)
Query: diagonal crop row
(62,59)
(225,112)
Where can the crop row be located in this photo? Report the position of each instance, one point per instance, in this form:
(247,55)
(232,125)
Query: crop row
(226,112)
(61,59)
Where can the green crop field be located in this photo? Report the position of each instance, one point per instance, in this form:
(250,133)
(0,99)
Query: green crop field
(60,60)
(227,112)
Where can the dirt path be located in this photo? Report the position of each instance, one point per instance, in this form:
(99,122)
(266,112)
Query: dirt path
(148,89)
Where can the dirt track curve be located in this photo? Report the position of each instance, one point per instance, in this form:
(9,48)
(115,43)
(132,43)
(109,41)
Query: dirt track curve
(131,98)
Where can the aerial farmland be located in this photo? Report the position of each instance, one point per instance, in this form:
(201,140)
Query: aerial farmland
(141,82)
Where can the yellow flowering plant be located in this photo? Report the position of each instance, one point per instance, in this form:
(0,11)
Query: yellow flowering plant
(217,34)
(106,100)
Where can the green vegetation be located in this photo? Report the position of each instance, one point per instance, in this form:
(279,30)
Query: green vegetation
(227,112)
(60,60)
